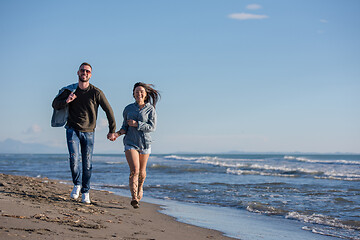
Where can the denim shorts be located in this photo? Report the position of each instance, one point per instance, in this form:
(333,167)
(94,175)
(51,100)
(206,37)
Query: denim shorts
(141,151)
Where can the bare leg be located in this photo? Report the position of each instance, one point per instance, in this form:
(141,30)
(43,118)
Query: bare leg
(143,159)
(132,157)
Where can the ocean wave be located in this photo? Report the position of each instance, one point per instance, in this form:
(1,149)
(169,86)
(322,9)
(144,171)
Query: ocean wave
(324,220)
(253,172)
(183,168)
(285,169)
(331,232)
(258,207)
(273,170)
(223,164)
(246,167)
(120,186)
(337,161)
(333,175)
(115,163)
(288,172)
(337,178)
(212,160)
(177,157)
(159,166)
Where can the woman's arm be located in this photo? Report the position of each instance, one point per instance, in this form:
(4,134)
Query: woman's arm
(124,126)
(150,125)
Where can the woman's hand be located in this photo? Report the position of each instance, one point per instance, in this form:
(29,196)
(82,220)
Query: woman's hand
(119,133)
(132,123)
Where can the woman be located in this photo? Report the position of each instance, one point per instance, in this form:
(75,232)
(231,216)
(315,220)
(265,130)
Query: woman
(139,121)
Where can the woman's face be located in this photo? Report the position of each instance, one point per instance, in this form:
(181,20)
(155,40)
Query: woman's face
(140,94)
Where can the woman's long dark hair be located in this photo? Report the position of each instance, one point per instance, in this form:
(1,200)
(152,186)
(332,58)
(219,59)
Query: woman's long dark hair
(152,95)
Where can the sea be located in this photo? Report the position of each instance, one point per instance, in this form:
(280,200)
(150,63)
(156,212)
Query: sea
(316,196)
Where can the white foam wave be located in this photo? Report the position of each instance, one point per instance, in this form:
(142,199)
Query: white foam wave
(248,167)
(253,172)
(329,161)
(338,161)
(337,178)
(257,207)
(284,169)
(155,165)
(212,160)
(329,231)
(341,175)
(231,164)
(113,186)
(320,219)
(189,158)
(223,164)
(115,163)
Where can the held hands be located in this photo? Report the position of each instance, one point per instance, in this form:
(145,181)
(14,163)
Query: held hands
(113,136)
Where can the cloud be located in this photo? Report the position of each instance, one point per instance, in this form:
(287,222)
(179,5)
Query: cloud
(34,129)
(253,6)
(247,16)
(323,21)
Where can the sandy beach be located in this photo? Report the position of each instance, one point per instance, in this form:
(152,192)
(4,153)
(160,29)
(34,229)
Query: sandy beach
(40,208)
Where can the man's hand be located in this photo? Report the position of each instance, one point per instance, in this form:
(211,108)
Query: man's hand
(111,136)
(71,97)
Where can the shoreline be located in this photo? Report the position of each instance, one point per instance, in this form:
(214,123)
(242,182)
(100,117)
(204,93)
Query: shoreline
(41,208)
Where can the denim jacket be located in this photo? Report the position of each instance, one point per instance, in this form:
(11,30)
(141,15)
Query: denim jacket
(59,117)
(146,118)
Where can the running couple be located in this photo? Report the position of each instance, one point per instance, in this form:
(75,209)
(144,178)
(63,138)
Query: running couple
(76,107)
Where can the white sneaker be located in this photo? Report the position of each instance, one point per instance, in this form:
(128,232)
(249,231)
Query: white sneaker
(75,192)
(86,198)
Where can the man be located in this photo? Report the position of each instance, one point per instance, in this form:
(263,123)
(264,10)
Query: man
(78,105)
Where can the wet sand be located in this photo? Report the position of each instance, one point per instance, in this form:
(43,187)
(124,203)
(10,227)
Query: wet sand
(41,208)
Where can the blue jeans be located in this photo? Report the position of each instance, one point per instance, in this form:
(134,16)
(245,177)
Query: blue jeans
(85,140)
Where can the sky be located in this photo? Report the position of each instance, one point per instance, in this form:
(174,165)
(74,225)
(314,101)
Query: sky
(253,76)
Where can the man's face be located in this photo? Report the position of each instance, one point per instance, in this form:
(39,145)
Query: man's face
(84,73)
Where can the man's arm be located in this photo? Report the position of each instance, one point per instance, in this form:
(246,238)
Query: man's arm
(108,111)
(59,101)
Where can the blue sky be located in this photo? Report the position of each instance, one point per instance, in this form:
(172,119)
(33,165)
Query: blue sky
(281,75)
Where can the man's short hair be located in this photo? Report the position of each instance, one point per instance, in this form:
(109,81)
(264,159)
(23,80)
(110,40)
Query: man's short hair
(86,64)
